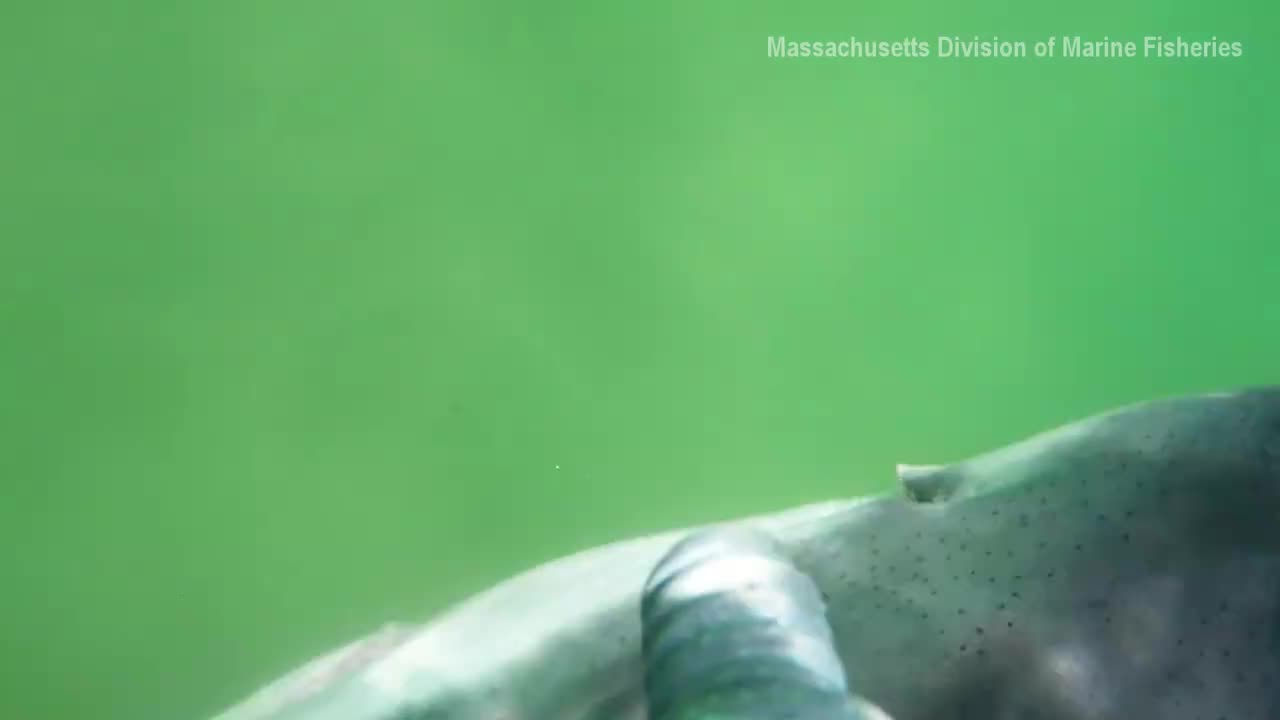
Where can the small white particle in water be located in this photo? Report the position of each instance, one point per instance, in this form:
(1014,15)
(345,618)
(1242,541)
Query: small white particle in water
(557,467)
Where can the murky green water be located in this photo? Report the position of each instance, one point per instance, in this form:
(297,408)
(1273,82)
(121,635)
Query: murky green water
(321,314)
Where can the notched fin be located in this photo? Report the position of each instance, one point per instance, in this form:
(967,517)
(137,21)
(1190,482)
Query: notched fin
(925,483)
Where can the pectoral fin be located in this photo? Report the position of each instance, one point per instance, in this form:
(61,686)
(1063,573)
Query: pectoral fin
(731,629)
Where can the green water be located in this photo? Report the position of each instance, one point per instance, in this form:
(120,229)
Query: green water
(318,314)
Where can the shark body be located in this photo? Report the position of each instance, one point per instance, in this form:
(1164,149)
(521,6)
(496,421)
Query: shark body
(1126,565)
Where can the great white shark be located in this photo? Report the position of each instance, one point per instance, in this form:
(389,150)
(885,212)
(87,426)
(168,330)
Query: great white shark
(1122,566)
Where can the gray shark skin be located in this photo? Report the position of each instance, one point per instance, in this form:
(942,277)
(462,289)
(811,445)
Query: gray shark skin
(1124,566)
(730,628)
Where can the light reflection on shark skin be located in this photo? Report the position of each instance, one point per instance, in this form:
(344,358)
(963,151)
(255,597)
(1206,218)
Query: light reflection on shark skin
(730,628)
(1127,565)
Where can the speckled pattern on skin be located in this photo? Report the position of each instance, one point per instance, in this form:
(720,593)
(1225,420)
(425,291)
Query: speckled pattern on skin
(1125,566)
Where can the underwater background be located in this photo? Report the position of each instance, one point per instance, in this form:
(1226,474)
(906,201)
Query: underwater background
(318,315)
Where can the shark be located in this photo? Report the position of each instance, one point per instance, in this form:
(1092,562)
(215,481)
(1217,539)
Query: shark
(1123,565)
